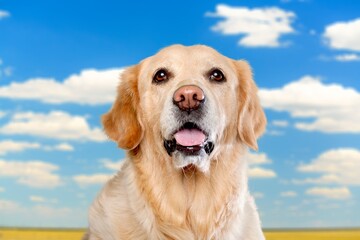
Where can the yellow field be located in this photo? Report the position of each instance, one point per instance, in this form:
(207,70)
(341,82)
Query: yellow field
(40,234)
(314,235)
(58,234)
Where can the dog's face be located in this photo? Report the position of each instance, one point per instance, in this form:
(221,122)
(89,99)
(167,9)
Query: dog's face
(190,102)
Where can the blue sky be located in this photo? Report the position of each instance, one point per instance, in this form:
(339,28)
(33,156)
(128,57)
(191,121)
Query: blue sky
(59,63)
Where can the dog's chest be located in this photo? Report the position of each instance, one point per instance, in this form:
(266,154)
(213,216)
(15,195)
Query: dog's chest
(208,213)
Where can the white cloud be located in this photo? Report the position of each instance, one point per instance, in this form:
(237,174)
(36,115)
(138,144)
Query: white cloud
(95,179)
(35,174)
(312,32)
(344,35)
(332,193)
(47,211)
(329,206)
(257,195)
(99,178)
(274,133)
(8,205)
(116,166)
(89,87)
(8,71)
(337,166)
(4,14)
(280,123)
(40,199)
(257,172)
(324,179)
(2,114)
(65,147)
(2,189)
(333,107)
(262,27)
(256,159)
(37,199)
(40,215)
(56,125)
(288,194)
(347,57)
(7,146)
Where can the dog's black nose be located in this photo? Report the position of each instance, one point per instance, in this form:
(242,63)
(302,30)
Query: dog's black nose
(188,97)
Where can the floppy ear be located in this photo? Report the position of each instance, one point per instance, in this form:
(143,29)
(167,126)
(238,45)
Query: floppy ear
(122,123)
(252,120)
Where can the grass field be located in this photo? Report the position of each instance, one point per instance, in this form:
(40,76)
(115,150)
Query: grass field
(76,234)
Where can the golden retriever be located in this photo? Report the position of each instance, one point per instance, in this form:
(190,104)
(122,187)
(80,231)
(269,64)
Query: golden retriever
(185,117)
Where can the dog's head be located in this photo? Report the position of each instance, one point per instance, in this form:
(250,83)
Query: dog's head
(188,102)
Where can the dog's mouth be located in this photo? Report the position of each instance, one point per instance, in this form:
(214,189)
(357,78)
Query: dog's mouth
(189,139)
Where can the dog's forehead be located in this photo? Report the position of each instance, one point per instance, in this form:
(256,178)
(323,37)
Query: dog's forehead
(188,55)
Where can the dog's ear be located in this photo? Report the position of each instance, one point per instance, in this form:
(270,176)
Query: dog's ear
(251,120)
(122,123)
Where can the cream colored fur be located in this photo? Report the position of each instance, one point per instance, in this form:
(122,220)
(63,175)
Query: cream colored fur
(152,196)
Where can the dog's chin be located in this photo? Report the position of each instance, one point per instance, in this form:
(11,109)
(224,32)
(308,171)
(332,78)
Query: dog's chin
(183,160)
(190,147)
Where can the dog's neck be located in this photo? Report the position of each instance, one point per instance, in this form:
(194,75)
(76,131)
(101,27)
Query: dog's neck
(188,198)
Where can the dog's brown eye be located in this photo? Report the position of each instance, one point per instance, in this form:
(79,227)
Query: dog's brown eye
(161,76)
(217,76)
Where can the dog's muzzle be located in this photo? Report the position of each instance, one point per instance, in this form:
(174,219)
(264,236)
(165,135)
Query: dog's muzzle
(189,139)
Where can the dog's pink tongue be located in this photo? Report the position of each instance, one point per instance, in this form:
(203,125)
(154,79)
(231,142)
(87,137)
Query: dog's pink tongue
(189,137)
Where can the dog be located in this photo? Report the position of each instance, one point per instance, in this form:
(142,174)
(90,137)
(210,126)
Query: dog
(185,116)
